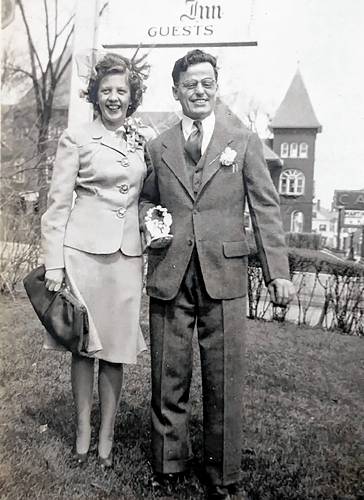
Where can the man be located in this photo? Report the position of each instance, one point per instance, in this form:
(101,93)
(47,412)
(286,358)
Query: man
(203,170)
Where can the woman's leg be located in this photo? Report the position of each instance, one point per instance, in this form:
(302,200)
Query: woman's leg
(110,383)
(82,378)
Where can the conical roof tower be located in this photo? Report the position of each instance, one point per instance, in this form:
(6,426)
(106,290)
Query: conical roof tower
(296,110)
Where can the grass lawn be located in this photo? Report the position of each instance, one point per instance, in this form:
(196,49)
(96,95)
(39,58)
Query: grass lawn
(303,424)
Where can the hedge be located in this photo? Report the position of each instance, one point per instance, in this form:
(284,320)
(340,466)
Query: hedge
(323,282)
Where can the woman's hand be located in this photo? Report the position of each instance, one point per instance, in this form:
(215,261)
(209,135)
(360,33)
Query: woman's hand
(54,279)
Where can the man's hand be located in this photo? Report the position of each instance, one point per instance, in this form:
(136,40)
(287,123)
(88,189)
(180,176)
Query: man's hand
(54,279)
(281,291)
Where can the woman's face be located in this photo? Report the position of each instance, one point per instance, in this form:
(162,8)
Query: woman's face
(113,98)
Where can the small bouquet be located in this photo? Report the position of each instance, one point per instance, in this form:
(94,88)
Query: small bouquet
(158,222)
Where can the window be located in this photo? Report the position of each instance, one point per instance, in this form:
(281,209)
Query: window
(297,222)
(49,168)
(294,150)
(284,150)
(303,153)
(322,227)
(292,183)
(19,175)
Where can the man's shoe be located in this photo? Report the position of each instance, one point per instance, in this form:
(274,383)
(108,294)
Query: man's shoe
(218,493)
(237,492)
(167,480)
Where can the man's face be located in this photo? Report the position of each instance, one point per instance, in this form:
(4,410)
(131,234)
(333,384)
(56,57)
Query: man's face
(196,90)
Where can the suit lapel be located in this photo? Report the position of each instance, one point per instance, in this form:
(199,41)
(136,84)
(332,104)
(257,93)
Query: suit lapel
(211,158)
(100,133)
(173,156)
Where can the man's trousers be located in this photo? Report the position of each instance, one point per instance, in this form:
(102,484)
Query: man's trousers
(221,332)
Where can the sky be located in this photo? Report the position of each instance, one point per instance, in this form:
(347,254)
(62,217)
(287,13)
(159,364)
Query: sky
(324,38)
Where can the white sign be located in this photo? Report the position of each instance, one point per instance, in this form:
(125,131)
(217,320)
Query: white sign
(177,22)
(166,29)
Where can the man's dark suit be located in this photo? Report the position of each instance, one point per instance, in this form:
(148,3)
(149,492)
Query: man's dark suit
(202,276)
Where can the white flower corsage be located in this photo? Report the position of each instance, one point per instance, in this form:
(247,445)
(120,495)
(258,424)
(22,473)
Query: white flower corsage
(227,158)
(158,222)
(134,139)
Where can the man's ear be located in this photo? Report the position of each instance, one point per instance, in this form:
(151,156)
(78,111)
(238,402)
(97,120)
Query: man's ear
(175,93)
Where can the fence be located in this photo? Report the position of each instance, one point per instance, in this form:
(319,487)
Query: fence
(330,293)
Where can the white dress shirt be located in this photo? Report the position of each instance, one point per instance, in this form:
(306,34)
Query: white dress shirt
(208,125)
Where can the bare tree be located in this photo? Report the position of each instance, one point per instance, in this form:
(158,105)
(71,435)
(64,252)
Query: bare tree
(256,117)
(45,76)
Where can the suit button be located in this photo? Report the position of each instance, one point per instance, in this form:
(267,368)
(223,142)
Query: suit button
(124,162)
(195,211)
(124,188)
(121,213)
(189,243)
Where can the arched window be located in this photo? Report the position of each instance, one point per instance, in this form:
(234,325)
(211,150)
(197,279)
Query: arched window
(292,182)
(284,150)
(294,150)
(297,220)
(303,152)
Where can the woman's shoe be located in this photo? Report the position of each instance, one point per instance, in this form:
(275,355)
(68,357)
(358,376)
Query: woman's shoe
(80,458)
(106,463)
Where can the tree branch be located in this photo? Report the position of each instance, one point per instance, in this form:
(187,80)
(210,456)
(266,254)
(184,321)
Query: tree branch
(33,54)
(17,69)
(65,46)
(47,28)
(32,50)
(56,17)
(63,69)
(65,26)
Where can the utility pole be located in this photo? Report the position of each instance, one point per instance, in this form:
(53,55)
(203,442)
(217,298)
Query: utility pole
(340,221)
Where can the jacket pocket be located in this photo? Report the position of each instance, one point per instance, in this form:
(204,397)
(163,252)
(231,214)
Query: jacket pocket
(236,248)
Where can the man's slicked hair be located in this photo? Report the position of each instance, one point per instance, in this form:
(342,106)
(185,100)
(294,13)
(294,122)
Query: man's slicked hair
(196,56)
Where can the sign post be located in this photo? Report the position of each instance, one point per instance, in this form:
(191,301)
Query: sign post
(85,38)
(349,200)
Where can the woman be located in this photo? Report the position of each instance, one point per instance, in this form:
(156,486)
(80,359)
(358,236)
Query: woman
(94,245)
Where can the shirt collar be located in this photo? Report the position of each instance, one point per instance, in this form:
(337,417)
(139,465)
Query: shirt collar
(208,124)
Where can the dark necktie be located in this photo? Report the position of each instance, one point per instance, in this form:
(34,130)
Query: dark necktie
(194,142)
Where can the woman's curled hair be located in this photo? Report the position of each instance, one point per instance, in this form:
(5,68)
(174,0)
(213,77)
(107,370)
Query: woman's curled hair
(136,69)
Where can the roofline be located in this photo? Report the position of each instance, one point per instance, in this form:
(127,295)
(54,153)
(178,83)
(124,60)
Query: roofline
(292,127)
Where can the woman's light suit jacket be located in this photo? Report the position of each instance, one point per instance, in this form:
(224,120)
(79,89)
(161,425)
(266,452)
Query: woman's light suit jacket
(107,180)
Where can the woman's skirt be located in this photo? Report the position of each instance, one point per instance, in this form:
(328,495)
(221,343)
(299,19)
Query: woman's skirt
(110,287)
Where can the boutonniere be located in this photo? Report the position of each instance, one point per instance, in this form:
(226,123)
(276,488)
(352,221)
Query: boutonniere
(227,158)
(134,139)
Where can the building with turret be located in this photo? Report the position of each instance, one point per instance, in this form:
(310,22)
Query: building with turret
(294,128)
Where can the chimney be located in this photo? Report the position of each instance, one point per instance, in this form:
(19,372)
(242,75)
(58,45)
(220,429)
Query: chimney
(318,205)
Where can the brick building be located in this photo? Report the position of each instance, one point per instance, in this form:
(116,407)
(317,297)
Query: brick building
(294,128)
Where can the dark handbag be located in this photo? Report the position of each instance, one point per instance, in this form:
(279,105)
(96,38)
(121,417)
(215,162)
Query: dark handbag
(61,313)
